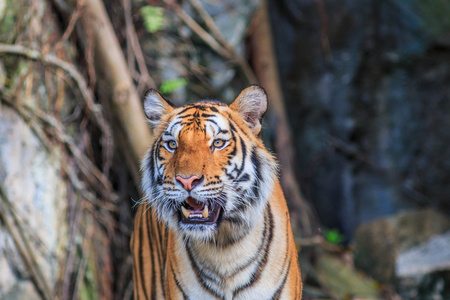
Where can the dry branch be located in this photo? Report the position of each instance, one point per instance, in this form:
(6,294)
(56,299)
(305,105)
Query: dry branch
(41,123)
(55,61)
(94,109)
(112,68)
(226,50)
(266,69)
(134,47)
(215,31)
(23,246)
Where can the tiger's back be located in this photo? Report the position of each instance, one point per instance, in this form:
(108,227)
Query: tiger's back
(218,227)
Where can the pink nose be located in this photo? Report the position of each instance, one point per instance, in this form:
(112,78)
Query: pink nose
(189,183)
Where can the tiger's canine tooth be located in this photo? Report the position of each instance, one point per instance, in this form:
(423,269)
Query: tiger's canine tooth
(185,211)
(205,212)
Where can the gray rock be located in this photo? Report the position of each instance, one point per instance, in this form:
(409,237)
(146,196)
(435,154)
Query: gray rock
(30,177)
(423,272)
(378,244)
(429,257)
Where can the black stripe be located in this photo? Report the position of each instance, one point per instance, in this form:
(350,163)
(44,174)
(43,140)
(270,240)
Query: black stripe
(186,109)
(232,127)
(136,263)
(257,254)
(162,257)
(141,260)
(258,179)
(231,119)
(244,154)
(233,240)
(185,296)
(214,122)
(233,137)
(235,220)
(173,125)
(243,178)
(153,287)
(262,264)
(200,274)
(203,115)
(151,164)
(280,289)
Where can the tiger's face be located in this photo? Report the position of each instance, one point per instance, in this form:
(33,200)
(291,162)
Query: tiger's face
(207,172)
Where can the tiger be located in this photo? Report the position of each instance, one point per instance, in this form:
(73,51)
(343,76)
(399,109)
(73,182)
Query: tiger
(213,222)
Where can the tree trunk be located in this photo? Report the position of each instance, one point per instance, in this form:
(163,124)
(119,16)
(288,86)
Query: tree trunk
(266,69)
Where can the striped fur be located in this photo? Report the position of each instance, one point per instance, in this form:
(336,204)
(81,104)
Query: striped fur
(249,252)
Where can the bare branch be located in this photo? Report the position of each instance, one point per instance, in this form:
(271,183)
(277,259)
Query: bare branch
(222,50)
(22,245)
(70,69)
(242,62)
(133,41)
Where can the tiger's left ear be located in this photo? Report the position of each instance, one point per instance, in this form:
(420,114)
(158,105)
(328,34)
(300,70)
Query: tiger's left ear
(251,104)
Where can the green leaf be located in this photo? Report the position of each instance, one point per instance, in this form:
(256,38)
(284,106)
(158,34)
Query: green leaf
(153,18)
(333,236)
(171,85)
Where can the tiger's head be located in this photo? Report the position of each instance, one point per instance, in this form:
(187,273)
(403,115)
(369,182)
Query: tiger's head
(208,172)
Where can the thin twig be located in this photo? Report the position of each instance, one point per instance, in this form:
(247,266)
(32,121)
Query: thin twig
(55,61)
(95,109)
(215,31)
(86,167)
(23,247)
(128,23)
(72,22)
(213,43)
(133,40)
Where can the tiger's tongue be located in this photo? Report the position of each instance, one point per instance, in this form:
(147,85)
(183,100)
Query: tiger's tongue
(194,204)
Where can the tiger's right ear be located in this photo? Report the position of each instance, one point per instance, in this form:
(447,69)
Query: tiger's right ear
(155,106)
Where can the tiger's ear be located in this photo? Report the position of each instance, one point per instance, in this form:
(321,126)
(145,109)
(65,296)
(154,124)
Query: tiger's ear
(155,106)
(251,104)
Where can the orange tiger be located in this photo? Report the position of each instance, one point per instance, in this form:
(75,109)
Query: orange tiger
(213,223)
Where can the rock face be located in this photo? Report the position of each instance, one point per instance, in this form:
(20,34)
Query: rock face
(30,179)
(428,257)
(423,271)
(409,251)
(33,193)
(366,85)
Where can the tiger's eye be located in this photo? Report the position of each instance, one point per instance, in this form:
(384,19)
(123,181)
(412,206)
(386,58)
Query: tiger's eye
(219,143)
(172,145)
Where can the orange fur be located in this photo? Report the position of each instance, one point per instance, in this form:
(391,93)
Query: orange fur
(249,252)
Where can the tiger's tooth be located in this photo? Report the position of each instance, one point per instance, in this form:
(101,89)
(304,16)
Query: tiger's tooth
(185,211)
(205,212)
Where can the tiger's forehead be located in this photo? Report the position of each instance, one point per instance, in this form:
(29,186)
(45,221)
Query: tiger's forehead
(202,117)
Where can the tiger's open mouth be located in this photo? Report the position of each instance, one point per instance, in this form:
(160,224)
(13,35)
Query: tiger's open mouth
(194,212)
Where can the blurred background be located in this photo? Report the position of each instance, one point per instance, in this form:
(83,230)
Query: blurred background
(359,118)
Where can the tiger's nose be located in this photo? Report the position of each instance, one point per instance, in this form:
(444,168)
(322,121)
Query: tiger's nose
(189,183)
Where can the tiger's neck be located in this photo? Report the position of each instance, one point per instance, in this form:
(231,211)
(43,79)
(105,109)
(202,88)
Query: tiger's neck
(232,255)
(242,242)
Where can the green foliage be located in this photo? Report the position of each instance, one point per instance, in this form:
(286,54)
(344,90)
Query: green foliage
(435,15)
(153,18)
(333,236)
(171,85)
